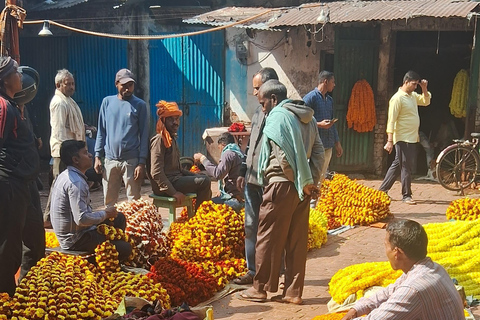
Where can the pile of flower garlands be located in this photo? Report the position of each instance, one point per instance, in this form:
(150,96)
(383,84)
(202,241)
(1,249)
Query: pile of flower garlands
(454,245)
(331,316)
(69,287)
(214,235)
(346,202)
(464,209)
(358,277)
(184,281)
(361,107)
(194,169)
(459,99)
(317,229)
(144,231)
(106,257)
(51,240)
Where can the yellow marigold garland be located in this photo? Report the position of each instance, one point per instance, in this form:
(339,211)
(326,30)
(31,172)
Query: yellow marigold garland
(459,100)
(106,257)
(464,209)
(361,113)
(331,316)
(215,233)
(350,203)
(69,287)
(51,240)
(454,245)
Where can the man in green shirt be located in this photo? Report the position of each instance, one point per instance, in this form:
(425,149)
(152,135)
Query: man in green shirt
(402,132)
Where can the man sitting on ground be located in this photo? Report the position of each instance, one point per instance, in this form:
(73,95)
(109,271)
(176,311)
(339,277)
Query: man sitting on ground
(227,171)
(163,168)
(73,220)
(425,290)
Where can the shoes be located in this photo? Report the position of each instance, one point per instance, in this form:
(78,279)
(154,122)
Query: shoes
(409,200)
(245,279)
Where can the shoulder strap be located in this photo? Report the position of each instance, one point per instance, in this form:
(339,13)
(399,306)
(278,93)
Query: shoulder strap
(3,115)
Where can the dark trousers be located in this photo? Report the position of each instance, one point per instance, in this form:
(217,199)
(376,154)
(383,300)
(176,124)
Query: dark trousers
(282,227)
(402,165)
(91,239)
(33,232)
(253,200)
(199,184)
(14,199)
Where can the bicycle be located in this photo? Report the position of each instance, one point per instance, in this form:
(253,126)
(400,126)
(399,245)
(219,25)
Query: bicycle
(458,165)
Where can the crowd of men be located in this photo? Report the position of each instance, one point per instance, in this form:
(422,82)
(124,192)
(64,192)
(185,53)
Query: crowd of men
(290,147)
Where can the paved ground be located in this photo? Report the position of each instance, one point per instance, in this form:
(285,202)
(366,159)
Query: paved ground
(361,244)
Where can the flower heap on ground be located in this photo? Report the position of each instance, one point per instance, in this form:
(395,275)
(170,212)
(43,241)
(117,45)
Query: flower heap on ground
(144,231)
(459,99)
(69,287)
(51,240)
(454,245)
(184,281)
(317,229)
(213,238)
(346,202)
(464,209)
(361,107)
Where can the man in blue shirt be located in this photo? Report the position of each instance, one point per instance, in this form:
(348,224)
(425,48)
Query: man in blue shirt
(73,220)
(122,138)
(322,104)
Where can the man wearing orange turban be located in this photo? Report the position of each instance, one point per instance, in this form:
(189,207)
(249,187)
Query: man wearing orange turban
(164,171)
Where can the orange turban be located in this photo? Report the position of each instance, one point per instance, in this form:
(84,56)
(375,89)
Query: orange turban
(164,110)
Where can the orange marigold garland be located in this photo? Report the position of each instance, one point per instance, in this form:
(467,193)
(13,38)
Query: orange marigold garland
(331,316)
(51,240)
(361,113)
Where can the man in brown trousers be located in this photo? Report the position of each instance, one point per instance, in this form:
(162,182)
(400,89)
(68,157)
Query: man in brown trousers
(289,167)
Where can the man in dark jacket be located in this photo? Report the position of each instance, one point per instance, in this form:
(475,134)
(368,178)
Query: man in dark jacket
(19,164)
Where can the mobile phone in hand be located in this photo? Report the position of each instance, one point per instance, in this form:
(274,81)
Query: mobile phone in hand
(334,120)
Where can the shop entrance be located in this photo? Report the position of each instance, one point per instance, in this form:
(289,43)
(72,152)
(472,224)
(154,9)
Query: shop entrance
(437,57)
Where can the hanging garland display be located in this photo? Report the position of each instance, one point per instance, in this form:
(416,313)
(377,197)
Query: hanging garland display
(458,102)
(361,107)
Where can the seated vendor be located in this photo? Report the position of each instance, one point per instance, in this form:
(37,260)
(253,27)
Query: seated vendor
(73,220)
(228,169)
(163,168)
(424,291)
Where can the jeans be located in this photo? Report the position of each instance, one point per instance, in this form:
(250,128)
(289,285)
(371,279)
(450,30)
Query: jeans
(253,200)
(234,203)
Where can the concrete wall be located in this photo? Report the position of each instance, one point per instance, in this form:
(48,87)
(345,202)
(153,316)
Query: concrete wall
(293,54)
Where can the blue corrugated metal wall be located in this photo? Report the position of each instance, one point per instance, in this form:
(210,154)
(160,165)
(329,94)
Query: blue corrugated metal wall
(94,61)
(190,71)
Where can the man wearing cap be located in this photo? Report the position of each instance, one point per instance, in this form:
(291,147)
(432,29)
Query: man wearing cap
(19,164)
(122,139)
(165,173)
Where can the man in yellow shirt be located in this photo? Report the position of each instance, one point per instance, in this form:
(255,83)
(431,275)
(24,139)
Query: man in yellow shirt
(402,132)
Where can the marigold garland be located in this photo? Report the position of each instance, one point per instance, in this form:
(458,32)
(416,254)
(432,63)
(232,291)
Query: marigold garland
(144,231)
(459,100)
(454,245)
(346,202)
(331,316)
(361,107)
(194,169)
(51,240)
(215,233)
(464,209)
(69,287)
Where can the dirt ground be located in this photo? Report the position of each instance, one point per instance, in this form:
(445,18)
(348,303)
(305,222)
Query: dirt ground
(358,245)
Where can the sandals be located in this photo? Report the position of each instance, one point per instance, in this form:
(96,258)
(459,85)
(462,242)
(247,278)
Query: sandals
(245,279)
(246,297)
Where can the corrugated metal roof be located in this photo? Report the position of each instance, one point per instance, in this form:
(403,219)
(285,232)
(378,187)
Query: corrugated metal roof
(343,11)
(229,15)
(59,4)
(339,12)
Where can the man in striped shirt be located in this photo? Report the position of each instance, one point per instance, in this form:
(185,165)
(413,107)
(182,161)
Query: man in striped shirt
(425,290)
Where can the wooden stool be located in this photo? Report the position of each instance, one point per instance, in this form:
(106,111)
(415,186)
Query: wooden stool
(84,254)
(171,204)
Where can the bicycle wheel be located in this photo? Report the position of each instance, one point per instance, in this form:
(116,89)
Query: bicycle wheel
(457,168)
